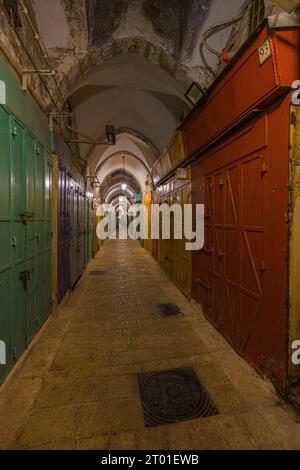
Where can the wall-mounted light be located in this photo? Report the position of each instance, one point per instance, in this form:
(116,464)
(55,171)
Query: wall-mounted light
(124,186)
(111,134)
(194,93)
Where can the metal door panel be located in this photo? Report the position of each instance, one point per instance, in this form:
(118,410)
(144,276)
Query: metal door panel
(5,239)
(30,174)
(24,232)
(5,165)
(47,185)
(31,289)
(39,203)
(47,285)
(40,290)
(18,302)
(5,318)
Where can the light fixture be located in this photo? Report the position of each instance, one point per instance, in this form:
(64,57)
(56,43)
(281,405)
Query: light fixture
(124,185)
(110,134)
(194,93)
(121,199)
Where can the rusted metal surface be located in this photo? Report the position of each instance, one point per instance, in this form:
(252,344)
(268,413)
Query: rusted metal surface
(250,84)
(294,248)
(172,255)
(176,149)
(240,277)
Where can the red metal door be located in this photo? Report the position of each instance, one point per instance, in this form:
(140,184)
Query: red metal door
(240,277)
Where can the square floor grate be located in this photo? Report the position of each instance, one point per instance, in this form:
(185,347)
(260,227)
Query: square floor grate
(173,396)
(169,310)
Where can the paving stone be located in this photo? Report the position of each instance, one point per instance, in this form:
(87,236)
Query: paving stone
(78,386)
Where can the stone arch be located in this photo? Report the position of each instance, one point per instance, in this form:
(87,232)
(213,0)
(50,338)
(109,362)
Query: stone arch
(121,47)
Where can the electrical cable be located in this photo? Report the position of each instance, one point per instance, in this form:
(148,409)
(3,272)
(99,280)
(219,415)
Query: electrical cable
(214,30)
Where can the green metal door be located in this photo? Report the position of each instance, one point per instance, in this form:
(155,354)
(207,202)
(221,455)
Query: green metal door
(31,234)
(43,233)
(48,233)
(6,243)
(25,237)
(18,259)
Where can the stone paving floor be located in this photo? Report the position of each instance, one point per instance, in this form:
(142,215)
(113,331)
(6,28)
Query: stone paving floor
(77,388)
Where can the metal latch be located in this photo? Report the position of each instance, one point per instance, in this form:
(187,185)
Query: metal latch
(25,276)
(25,216)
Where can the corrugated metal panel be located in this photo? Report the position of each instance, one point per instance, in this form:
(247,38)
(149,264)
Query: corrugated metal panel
(294,255)
(172,256)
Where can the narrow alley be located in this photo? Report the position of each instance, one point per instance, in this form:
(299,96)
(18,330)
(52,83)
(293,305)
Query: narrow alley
(149,228)
(78,387)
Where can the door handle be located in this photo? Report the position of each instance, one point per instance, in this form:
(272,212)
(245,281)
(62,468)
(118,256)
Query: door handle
(25,276)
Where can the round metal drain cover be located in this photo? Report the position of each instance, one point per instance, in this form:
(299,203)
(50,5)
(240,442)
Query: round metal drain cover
(172,396)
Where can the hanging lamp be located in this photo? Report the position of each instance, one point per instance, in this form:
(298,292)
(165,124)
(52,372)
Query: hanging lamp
(124,185)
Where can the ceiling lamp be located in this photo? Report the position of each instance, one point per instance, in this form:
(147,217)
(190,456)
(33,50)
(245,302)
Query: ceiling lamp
(110,135)
(124,185)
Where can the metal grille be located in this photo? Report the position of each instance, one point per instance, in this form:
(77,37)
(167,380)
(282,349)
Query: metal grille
(169,310)
(172,396)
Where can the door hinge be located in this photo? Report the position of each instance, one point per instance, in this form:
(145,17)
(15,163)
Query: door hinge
(263,266)
(264,169)
(13,241)
(38,151)
(14,131)
(14,353)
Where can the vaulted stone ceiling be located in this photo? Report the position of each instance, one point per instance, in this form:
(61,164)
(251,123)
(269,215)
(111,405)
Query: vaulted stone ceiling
(129,63)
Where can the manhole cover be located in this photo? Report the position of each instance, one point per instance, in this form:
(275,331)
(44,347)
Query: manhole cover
(168,310)
(172,396)
(97,273)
